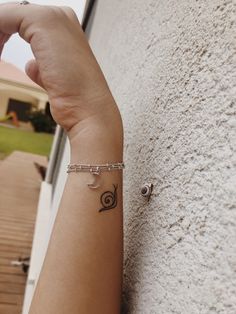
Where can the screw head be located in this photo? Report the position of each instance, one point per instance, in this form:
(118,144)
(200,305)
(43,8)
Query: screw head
(146,190)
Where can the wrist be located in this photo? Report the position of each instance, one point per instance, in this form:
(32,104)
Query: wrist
(97,140)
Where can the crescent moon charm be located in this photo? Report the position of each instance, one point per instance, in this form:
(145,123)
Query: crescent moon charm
(95,184)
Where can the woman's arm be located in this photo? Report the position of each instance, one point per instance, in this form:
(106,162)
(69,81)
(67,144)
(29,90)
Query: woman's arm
(82,271)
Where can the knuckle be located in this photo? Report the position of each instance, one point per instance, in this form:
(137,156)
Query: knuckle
(69,12)
(58,12)
(51,11)
(54,11)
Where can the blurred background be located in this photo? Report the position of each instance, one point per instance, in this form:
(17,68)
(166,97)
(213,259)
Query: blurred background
(24,106)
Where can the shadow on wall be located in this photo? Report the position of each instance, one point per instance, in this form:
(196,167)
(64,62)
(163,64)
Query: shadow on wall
(140,213)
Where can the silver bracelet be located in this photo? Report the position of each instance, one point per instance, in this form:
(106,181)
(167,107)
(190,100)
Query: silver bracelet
(95,170)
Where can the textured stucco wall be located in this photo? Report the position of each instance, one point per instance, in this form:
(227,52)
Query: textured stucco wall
(171,67)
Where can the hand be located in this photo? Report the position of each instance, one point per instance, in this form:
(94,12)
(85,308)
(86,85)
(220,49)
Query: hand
(64,64)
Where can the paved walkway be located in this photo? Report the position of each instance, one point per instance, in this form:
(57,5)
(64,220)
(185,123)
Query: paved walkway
(19,192)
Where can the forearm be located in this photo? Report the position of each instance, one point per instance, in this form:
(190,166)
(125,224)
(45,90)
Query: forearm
(82,272)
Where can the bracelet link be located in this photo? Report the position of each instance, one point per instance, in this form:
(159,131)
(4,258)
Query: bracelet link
(95,170)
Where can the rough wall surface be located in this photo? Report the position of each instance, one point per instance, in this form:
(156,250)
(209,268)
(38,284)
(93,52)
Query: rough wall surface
(172,69)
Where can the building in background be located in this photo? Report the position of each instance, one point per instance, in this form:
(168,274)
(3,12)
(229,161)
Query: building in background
(170,67)
(19,94)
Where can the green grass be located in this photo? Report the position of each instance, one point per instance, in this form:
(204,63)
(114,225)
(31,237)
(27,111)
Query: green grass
(26,141)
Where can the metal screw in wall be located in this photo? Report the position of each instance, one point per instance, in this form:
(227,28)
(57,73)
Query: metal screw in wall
(146,190)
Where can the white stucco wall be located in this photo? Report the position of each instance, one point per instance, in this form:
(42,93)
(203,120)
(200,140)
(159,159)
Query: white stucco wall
(171,67)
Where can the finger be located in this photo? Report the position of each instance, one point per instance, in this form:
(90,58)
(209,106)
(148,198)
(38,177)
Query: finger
(3,39)
(32,70)
(8,27)
(13,17)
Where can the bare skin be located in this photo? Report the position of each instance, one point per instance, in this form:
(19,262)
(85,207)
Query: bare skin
(82,271)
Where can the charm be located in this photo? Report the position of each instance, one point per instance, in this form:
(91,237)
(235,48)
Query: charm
(95,184)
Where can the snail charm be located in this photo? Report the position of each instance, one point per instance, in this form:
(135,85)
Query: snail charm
(109,199)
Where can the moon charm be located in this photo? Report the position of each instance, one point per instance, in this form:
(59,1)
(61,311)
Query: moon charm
(95,184)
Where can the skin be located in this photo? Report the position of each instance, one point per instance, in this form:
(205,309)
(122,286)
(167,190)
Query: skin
(82,270)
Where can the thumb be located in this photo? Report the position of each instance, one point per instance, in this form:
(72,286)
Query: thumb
(32,70)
